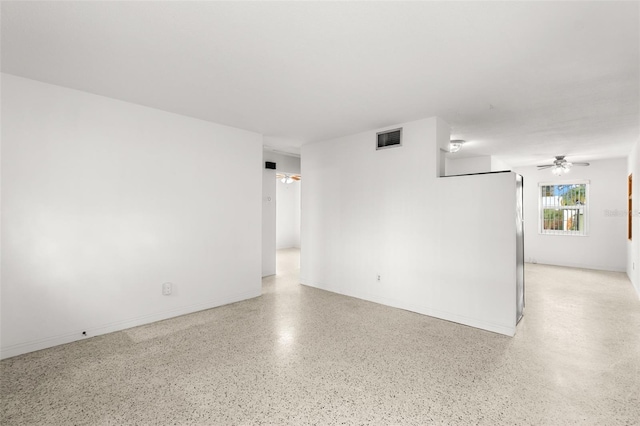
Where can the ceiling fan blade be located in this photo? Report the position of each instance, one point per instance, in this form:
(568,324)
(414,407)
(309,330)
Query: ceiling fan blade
(580,164)
(295,177)
(546,166)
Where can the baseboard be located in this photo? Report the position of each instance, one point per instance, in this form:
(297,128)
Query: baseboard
(48,342)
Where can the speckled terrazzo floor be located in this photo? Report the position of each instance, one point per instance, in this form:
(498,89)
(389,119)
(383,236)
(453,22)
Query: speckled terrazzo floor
(299,355)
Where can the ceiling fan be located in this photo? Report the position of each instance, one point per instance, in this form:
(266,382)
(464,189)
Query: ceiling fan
(287,178)
(560,165)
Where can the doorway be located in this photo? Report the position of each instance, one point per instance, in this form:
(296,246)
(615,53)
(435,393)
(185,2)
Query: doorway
(288,188)
(281,196)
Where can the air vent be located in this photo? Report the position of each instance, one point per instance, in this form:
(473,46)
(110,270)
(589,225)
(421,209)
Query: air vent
(389,139)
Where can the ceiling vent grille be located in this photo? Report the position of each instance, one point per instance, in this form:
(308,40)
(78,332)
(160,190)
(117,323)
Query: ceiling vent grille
(389,139)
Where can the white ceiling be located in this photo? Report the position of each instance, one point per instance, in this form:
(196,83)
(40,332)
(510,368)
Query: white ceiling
(521,80)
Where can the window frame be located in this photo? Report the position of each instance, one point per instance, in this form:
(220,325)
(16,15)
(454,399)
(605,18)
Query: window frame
(587,214)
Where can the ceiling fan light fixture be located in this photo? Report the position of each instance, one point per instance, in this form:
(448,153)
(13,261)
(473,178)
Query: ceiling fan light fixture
(560,166)
(286,179)
(455,145)
(561,169)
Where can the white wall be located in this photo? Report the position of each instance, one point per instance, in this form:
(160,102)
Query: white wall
(297,215)
(103,201)
(633,247)
(605,246)
(480,164)
(368,213)
(287,215)
(268,222)
(497,165)
(462,166)
(284,163)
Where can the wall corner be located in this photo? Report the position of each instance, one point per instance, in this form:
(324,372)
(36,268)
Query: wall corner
(443,135)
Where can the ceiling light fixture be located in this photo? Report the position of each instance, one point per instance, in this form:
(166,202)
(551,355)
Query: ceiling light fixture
(455,145)
(560,166)
(561,169)
(286,179)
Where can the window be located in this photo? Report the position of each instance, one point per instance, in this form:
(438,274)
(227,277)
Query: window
(563,208)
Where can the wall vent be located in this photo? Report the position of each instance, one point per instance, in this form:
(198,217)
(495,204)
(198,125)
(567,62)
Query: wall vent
(389,139)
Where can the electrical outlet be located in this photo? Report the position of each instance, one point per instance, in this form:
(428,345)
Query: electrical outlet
(378,277)
(167,288)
